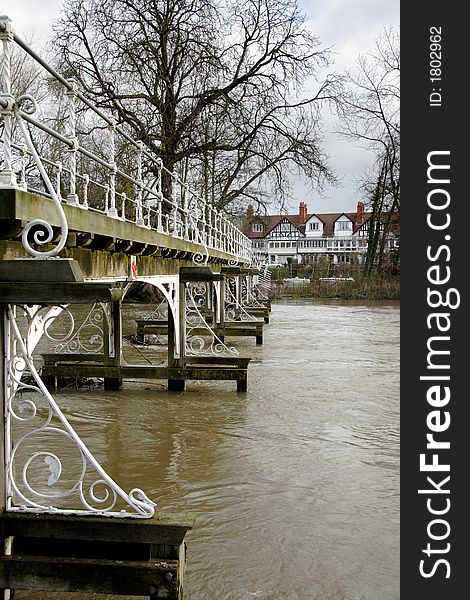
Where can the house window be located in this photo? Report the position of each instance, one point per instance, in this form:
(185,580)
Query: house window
(285,226)
(256,227)
(314,226)
(344,225)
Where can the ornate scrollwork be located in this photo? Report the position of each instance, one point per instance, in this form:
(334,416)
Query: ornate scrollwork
(48,465)
(196,342)
(40,230)
(199,258)
(160,313)
(234,311)
(87,338)
(248,297)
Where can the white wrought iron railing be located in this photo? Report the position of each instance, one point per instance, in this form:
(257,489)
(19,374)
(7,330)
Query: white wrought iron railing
(130,188)
(38,476)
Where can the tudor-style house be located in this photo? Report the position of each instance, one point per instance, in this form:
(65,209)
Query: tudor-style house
(305,237)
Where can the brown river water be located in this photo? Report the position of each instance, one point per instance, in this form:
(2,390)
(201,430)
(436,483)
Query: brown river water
(295,484)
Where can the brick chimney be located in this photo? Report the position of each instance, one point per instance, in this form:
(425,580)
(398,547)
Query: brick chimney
(249,211)
(302,212)
(360,213)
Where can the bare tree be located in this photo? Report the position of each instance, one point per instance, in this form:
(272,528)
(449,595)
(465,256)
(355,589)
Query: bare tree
(213,87)
(369,112)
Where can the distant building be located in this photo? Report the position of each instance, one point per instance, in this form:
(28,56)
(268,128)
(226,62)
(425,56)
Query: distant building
(306,237)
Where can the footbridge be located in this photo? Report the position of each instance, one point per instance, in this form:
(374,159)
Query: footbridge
(88,220)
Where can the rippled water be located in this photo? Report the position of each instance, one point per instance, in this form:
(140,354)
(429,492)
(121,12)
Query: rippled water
(295,485)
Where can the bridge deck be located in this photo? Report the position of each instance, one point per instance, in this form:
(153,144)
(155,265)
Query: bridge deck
(94,231)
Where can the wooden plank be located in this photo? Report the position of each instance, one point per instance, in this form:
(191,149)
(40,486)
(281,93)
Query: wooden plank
(195,371)
(239,332)
(55,358)
(145,324)
(94,549)
(237,361)
(226,331)
(38,292)
(198,373)
(161,529)
(37,269)
(127,371)
(91,576)
(230,271)
(188,274)
(235,324)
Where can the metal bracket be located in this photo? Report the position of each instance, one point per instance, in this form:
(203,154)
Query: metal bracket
(36,431)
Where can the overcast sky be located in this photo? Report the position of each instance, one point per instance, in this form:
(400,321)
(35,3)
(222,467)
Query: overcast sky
(349,26)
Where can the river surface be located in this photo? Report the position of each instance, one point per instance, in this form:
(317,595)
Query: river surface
(295,484)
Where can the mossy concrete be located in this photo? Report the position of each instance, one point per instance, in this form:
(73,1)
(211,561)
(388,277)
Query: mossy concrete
(101,245)
(98,264)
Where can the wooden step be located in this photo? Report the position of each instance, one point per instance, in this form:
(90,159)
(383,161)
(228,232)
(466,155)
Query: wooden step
(109,555)
(195,368)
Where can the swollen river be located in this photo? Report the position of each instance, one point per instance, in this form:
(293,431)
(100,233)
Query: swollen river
(295,484)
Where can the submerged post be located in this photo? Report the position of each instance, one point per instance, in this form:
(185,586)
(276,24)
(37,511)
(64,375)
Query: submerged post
(112,327)
(174,361)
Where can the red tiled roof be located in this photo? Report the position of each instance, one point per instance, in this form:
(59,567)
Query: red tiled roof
(269,222)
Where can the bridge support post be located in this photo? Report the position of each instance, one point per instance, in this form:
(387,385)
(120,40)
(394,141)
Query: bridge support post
(112,329)
(177,385)
(219,308)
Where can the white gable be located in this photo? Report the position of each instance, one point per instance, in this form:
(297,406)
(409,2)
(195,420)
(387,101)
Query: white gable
(343,226)
(314,227)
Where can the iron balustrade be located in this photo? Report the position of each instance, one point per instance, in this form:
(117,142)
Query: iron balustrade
(109,178)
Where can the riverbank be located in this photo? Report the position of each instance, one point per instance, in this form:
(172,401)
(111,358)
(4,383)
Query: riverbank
(358,287)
